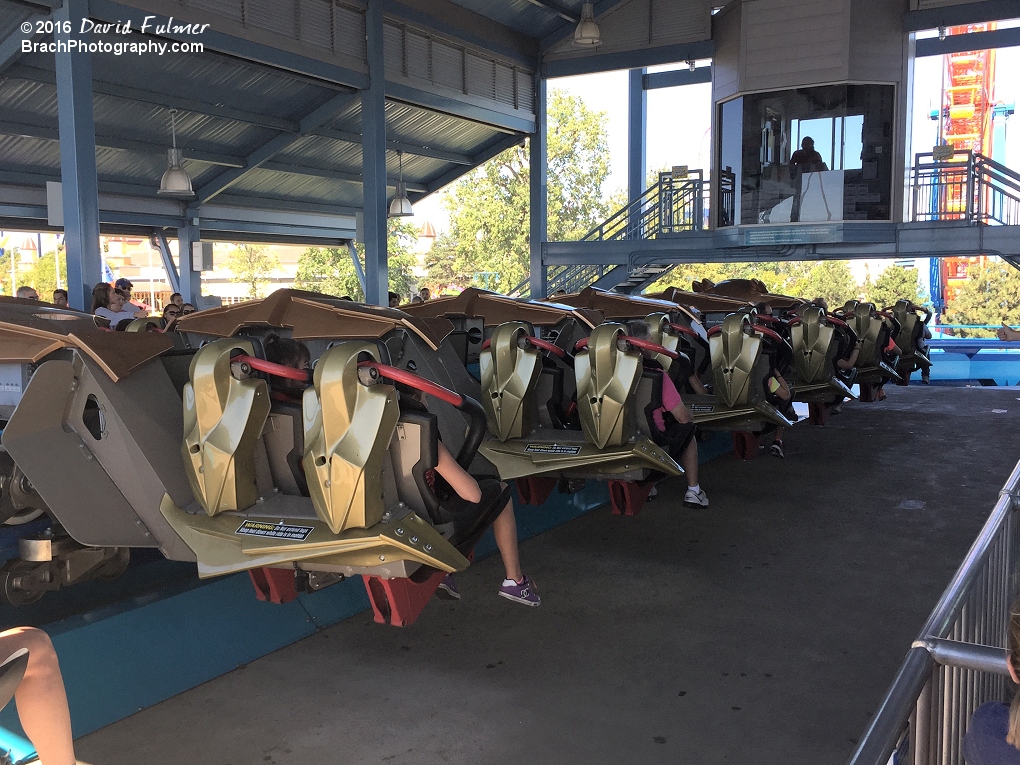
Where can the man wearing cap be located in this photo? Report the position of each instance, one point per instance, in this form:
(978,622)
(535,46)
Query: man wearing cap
(127,286)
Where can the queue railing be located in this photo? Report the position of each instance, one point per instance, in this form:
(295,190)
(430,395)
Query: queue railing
(958,662)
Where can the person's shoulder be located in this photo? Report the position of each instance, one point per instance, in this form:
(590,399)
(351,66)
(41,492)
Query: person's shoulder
(990,714)
(985,741)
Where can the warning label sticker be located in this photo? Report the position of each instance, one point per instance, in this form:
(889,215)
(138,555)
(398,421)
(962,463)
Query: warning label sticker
(552,449)
(275,530)
(701,408)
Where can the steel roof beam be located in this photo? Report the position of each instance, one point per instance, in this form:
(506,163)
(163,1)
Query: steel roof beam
(505,122)
(560,10)
(996,38)
(334,175)
(114,142)
(29,176)
(629,59)
(189,104)
(407,148)
(959,15)
(483,156)
(314,119)
(10,46)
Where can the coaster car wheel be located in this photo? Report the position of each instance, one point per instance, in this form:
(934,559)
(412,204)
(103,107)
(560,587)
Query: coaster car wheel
(11,577)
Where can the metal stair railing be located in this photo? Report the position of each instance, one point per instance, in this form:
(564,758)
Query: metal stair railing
(670,206)
(957,663)
(969,187)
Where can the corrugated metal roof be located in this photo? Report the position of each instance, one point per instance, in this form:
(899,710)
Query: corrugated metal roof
(522,15)
(228,108)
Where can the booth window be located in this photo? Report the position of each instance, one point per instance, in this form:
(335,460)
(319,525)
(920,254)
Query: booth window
(806,155)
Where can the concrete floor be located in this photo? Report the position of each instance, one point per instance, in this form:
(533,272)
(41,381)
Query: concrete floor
(764,629)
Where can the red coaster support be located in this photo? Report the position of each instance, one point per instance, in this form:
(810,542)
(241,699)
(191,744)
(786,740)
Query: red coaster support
(628,497)
(535,490)
(400,601)
(818,413)
(745,444)
(274,585)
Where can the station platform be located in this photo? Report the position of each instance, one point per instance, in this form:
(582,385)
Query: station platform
(763,629)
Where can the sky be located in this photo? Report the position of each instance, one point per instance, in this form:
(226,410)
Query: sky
(679,119)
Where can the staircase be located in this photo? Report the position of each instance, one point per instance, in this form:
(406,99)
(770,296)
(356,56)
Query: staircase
(672,206)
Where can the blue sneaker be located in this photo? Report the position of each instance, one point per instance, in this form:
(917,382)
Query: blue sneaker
(524,592)
(447,589)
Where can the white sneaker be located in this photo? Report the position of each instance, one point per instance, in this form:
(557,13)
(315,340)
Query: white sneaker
(696,498)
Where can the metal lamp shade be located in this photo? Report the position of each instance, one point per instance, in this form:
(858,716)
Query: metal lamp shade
(587,32)
(175,181)
(400,207)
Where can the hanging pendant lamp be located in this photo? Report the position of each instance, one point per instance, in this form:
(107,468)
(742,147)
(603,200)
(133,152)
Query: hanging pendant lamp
(587,33)
(175,181)
(400,207)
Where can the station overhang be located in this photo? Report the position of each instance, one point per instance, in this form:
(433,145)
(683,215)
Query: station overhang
(835,241)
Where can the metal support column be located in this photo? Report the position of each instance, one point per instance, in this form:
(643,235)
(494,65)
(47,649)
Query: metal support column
(359,270)
(191,280)
(539,208)
(172,276)
(77,132)
(373,152)
(637,131)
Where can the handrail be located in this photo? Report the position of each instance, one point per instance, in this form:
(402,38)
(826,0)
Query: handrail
(905,694)
(973,188)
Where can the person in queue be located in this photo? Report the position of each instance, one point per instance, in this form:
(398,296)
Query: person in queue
(177,299)
(993,736)
(125,286)
(60,298)
(41,699)
(677,435)
(108,303)
(425,294)
(27,293)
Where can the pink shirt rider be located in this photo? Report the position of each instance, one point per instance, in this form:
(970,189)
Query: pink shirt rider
(670,398)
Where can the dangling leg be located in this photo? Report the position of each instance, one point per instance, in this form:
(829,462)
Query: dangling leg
(516,586)
(41,700)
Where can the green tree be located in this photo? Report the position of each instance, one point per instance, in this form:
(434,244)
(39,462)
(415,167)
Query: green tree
(829,279)
(445,264)
(989,296)
(894,283)
(489,206)
(252,265)
(43,275)
(330,270)
(5,270)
